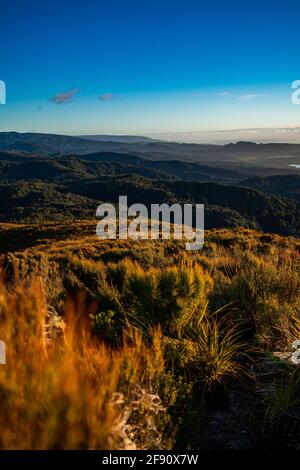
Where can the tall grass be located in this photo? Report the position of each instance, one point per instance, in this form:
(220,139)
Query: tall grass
(220,350)
(73,392)
(265,292)
(217,346)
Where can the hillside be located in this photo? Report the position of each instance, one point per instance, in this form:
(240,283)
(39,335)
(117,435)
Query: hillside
(246,157)
(42,188)
(225,206)
(286,185)
(129,139)
(16,165)
(157,346)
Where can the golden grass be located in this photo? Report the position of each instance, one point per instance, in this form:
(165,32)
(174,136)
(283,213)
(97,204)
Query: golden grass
(220,350)
(72,392)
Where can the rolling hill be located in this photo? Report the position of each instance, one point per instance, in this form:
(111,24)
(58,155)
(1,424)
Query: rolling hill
(245,157)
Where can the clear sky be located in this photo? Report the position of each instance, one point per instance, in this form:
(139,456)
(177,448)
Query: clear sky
(180,69)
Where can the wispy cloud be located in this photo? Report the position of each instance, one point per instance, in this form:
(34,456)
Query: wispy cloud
(224,93)
(64,97)
(251,96)
(106,97)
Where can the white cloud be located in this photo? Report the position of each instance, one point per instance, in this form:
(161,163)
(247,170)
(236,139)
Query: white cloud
(251,96)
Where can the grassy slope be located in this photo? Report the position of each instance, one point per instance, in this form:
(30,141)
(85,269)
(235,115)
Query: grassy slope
(81,234)
(170,296)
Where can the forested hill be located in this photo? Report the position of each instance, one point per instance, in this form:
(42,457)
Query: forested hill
(39,187)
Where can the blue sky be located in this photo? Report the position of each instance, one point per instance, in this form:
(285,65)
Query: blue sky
(171,68)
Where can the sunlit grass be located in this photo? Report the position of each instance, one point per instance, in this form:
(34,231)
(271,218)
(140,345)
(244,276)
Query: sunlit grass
(73,392)
(104,336)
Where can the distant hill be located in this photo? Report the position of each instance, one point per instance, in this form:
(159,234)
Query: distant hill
(286,185)
(35,187)
(225,206)
(128,139)
(40,201)
(54,182)
(14,166)
(252,147)
(244,157)
(46,143)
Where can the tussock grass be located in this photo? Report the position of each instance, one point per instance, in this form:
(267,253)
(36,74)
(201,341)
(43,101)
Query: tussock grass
(74,392)
(220,350)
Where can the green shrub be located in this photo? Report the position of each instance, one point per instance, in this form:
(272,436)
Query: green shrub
(107,325)
(263,293)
